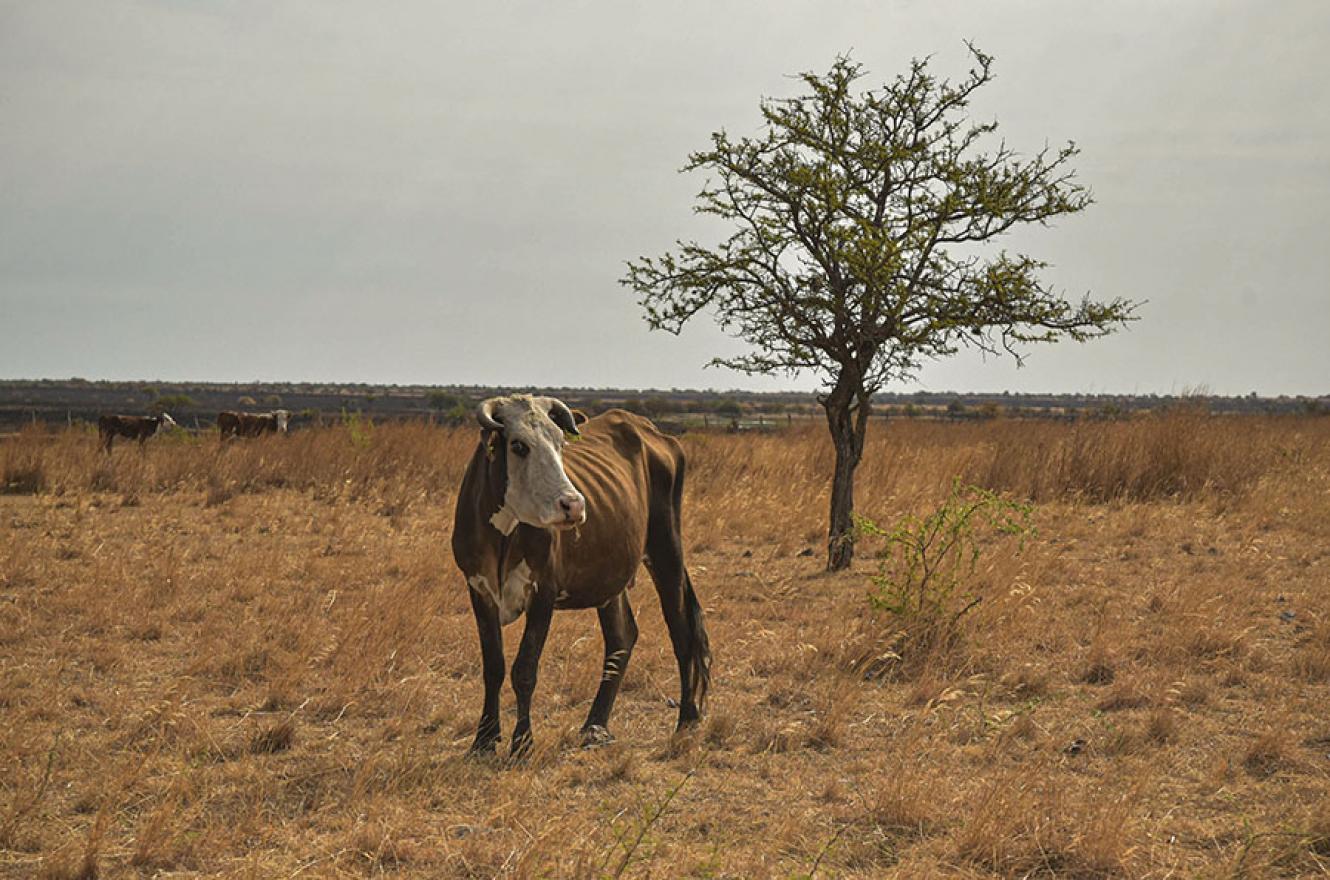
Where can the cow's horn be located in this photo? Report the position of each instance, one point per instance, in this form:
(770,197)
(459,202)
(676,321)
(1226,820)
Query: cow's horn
(562,416)
(485,415)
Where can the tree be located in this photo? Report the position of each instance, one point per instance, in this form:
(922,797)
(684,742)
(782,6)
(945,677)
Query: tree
(167,402)
(856,252)
(438,399)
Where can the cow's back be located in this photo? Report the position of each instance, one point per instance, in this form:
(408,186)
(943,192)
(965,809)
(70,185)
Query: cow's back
(626,470)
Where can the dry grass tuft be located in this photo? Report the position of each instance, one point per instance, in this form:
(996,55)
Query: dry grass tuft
(1270,752)
(1019,828)
(1311,661)
(1177,454)
(276,738)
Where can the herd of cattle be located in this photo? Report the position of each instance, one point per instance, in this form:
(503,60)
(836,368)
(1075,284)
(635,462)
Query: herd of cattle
(229,424)
(556,511)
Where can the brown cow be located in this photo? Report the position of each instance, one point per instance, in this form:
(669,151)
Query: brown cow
(532,537)
(243,424)
(138,428)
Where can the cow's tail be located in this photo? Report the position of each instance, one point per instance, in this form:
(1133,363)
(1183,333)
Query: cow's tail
(700,657)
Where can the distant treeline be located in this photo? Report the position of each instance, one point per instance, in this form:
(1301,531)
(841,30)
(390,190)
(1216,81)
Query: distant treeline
(196,404)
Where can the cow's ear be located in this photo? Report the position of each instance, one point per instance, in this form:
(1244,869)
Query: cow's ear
(579,417)
(561,415)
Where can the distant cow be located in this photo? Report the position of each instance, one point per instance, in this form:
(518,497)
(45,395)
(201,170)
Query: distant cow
(243,424)
(544,523)
(138,428)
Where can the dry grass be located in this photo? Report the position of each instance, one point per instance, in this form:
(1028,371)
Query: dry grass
(259,661)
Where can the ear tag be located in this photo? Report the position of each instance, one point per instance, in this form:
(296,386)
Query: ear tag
(489,449)
(570,437)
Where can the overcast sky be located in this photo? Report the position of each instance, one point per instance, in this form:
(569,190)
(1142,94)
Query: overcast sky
(447,193)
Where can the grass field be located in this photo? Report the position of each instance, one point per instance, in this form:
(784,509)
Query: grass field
(259,661)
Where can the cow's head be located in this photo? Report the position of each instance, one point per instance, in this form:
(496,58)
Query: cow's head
(164,423)
(282,416)
(530,433)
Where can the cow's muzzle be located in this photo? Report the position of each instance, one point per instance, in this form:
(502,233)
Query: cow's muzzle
(573,508)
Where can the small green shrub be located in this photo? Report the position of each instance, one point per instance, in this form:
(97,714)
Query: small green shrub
(359,428)
(924,581)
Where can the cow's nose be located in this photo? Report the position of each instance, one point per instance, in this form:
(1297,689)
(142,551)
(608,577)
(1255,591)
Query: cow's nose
(573,506)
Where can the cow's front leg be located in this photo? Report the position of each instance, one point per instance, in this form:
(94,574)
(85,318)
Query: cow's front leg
(538,616)
(491,651)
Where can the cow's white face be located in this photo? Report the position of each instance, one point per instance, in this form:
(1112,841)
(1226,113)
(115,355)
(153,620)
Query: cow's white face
(282,416)
(539,492)
(165,423)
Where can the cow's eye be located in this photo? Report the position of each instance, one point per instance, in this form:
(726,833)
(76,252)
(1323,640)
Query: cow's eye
(520,449)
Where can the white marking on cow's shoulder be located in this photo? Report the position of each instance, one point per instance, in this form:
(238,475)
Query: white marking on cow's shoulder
(504,520)
(517,589)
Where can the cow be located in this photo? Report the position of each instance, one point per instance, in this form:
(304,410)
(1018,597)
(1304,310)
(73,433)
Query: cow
(243,424)
(138,428)
(557,512)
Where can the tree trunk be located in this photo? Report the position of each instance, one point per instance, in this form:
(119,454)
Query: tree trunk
(847,418)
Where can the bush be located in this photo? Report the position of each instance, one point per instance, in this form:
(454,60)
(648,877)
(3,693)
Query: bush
(443,400)
(925,571)
(729,408)
(359,428)
(168,402)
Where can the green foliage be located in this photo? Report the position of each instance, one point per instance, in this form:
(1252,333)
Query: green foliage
(927,564)
(359,428)
(631,833)
(455,409)
(661,406)
(445,400)
(860,224)
(168,402)
(857,215)
(729,408)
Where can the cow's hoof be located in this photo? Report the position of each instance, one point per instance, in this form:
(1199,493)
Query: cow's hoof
(486,743)
(596,736)
(483,751)
(687,723)
(520,750)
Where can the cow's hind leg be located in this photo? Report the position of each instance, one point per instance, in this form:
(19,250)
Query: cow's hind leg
(527,663)
(683,616)
(620,631)
(491,650)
